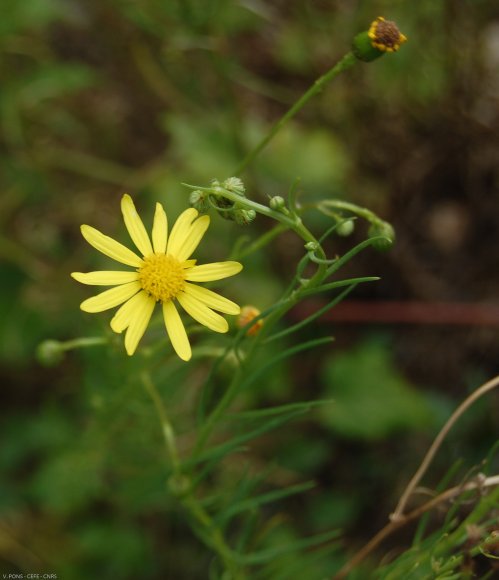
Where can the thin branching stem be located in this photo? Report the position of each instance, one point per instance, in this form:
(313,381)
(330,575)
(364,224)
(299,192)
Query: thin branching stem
(344,64)
(212,533)
(394,525)
(166,425)
(464,406)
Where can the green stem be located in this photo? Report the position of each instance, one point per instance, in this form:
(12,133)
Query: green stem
(84,342)
(166,425)
(345,63)
(234,386)
(363,212)
(215,539)
(212,535)
(293,221)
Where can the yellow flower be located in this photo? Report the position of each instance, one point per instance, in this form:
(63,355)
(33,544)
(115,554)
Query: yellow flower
(163,274)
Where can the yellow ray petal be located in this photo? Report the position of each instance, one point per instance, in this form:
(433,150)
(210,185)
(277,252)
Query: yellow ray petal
(213,271)
(105,277)
(135,226)
(138,322)
(202,313)
(159,230)
(110,247)
(176,331)
(110,298)
(193,237)
(212,299)
(124,314)
(180,230)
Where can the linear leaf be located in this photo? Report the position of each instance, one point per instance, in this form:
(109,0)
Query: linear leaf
(277,410)
(219,451)
(267,555)
(261,370)
(351,253)
(313,316)
(339,284)
(257,501)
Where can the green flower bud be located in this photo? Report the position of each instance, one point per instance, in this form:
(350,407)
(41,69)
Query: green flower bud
(199,200)
(311,246)
(383,36)
(234,184)
(243,217)
(345,228)
(277,203)
(382,229)
(50,353)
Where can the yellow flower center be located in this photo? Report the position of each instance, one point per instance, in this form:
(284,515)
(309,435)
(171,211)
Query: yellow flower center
(162,277)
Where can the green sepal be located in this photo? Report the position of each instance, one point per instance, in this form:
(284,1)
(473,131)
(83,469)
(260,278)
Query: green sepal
(363,49)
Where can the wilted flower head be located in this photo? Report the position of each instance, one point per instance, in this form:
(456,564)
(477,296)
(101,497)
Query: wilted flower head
(385,35)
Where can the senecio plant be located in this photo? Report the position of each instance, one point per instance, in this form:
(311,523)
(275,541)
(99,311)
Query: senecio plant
(164,271)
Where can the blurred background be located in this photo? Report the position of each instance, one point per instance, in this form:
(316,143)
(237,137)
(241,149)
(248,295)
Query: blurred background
(99,98)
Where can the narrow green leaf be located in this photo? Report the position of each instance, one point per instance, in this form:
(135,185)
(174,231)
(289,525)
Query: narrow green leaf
(219,451)
(249,526)
(261,370)
(351,253)
(259,500)
(444,482)
(313,316)
(267,555)
(305,406)
(207,392)
(339,284)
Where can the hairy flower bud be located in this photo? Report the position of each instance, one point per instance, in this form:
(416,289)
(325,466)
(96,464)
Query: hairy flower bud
(243,217)
(199,200)
(234,184)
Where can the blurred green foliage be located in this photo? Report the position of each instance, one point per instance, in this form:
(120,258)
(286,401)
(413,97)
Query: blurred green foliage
(371,399)
(98,98)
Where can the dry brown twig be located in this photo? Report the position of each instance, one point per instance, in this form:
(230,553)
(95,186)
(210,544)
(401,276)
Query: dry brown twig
(398,518)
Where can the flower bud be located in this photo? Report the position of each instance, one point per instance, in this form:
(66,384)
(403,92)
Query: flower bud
(234,184)
(345,228)
(311,246)
(243,217)
(50,353)
(277,202)
(247,314)
(382,36)
(387,232)
(199,200)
